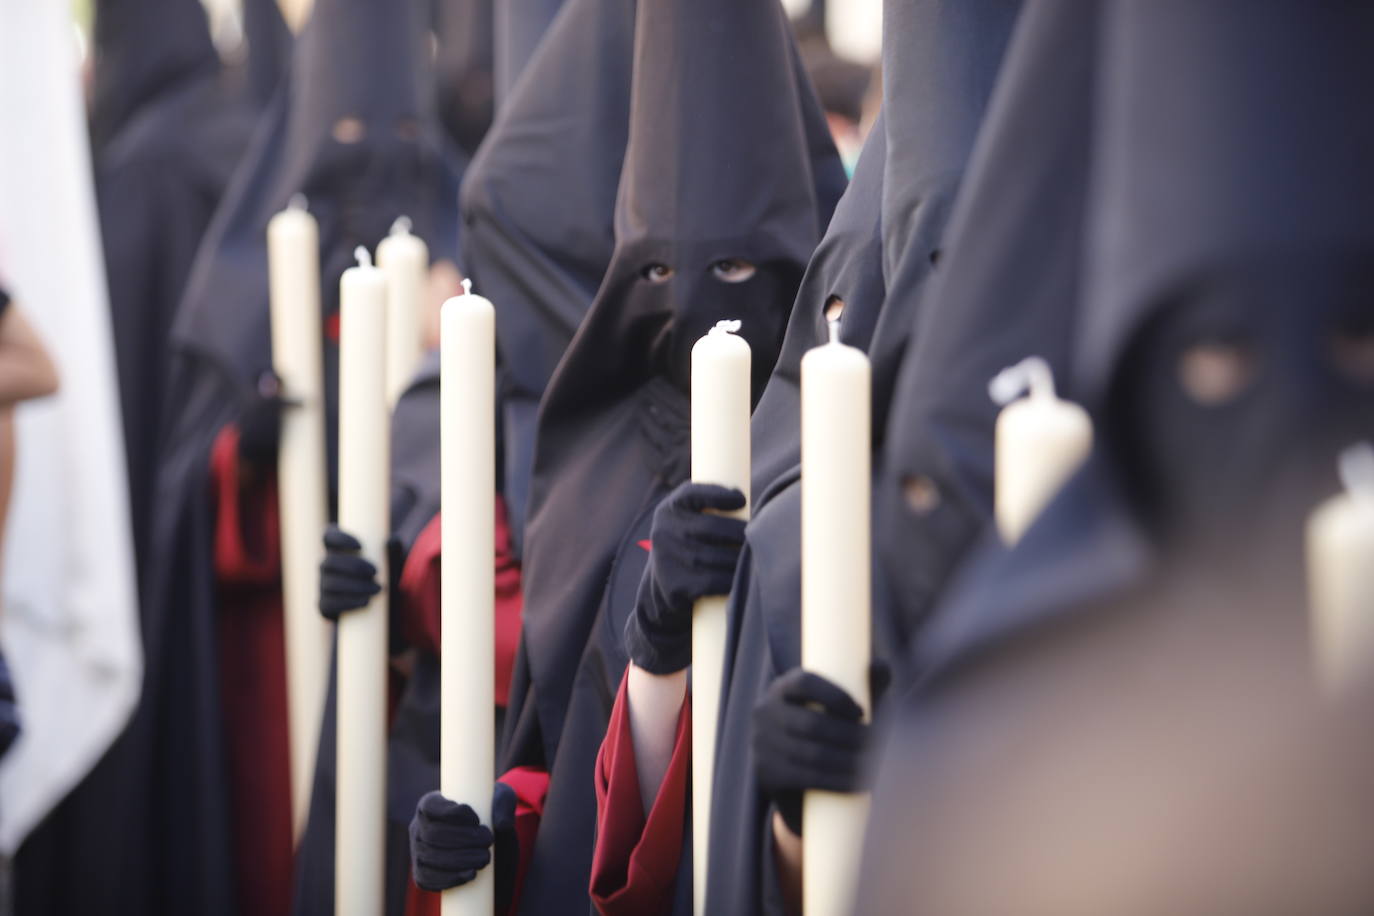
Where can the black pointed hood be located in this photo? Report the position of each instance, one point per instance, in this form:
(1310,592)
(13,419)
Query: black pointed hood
(538,201)
(353,131)
(1231,227)
(268,40)
(465,69)
(941,59)
(718,170)
(1006,288)
(847,265)
(143,48)
(519,26)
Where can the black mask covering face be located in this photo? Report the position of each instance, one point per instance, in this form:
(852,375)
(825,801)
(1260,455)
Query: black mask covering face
(684,297)
(1236,398)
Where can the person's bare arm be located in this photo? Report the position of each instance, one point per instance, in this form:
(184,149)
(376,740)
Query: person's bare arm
(655,703)
(26,370)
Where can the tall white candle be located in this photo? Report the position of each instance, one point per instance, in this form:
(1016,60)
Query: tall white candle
(467,437)
(1340,560)
(293,273)
(720,455)
(364,497)
(1040,441)
(405,260)
(836,444)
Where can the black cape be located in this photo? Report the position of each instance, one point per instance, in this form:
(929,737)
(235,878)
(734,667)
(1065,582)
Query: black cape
(538,204)
(519,26)
(616,408)
(942,62)
(1121,692)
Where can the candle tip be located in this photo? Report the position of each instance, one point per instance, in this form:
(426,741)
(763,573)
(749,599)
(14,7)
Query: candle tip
(401,226)
(1032,375)
(1357,468)
(726,326)
(467,287)
(364,259)
(833,326)
(298,201)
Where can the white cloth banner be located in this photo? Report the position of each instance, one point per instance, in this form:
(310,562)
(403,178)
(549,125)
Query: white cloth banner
(70,620)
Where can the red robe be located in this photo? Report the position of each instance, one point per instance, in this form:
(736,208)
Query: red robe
(635,863)
(252,655)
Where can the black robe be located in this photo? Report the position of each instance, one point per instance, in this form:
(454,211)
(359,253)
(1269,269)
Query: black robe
(616,408)
(1120,714)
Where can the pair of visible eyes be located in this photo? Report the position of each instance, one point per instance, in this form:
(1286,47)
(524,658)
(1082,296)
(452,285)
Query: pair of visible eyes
(1214,373)
(727,270)
(349,130)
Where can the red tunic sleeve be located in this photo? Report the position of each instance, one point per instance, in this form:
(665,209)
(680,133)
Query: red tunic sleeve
(635,863)
(247,537)
(419,587)
(531,786)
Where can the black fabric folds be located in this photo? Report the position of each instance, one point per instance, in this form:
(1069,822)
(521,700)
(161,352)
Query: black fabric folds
(1007,287)
(716,215)
(538,204)
(1144,654)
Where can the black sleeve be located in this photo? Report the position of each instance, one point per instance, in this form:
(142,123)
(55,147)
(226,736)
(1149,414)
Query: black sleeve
(4,301)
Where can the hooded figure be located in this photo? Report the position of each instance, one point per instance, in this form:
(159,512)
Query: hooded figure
(350,132)
(1120,715)
(538,206)
(533,158)
(465,69)
(167,130)
(1007,289)
(716,215)
(941,61)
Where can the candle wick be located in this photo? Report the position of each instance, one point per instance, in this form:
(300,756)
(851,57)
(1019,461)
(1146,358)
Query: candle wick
(726,326)
(1356,466)
(467,287)
(401,226)
(364,259)
(298,201)
(833,327)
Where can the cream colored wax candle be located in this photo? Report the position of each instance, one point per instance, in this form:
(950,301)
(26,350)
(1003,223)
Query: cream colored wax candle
(467,431)
(1040,441)
(364,497)
(293,279)
(1340,561)
(404,258)
(836,444)
(720,455)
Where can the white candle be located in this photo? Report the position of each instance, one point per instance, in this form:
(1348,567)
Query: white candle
(720,455)
(404,258)
(364,497)
(293,272)
(836,445)
(467,436)
(1040,441)
(1340,560)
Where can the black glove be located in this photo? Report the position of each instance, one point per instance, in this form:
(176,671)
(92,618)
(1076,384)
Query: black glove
(260,424)
(798,746)
(347,579)
(694,554)
(448,844)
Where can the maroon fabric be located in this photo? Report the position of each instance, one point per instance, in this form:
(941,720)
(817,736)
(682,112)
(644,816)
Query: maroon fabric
(252,656)
(419,587)
(635,863)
